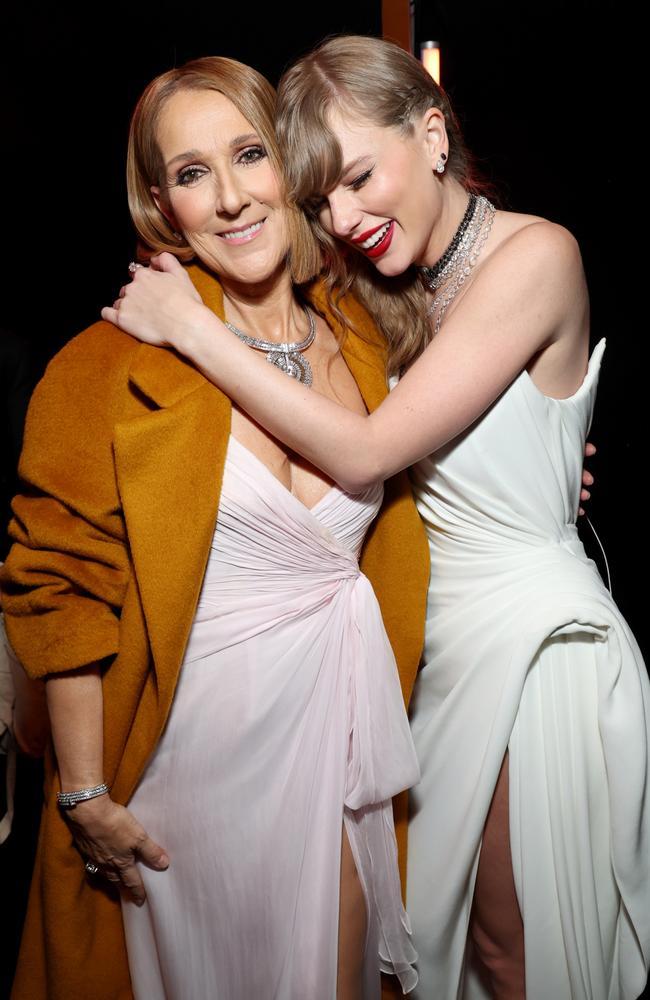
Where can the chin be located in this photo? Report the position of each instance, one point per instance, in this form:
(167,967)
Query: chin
(392,268)
(258,269)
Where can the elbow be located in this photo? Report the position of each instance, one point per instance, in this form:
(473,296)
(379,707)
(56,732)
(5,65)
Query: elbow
(359,459)
(361,476)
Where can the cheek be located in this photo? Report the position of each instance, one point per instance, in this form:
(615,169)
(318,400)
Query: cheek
(191,207)
(260,184)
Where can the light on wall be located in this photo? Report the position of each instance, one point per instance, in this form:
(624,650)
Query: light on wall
(430,58)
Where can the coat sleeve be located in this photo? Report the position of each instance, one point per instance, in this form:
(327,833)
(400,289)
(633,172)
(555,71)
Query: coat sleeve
(64,580)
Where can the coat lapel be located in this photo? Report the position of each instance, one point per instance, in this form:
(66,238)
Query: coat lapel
(169,465)
(363,347)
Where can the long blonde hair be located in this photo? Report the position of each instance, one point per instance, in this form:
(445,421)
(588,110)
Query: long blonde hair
(390,89)
(255,98)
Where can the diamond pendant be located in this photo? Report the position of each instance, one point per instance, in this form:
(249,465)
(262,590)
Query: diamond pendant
(294,365)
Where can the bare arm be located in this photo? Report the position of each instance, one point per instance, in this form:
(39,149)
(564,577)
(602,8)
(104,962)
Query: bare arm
(74,702)
(105,831)
(513,310)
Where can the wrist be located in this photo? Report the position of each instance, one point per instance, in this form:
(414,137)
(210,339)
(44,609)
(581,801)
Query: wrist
(73,798)
(192,335)
(93,815)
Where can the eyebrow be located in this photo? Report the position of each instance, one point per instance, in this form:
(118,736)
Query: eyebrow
(354,163)
(195,154)
(241,140)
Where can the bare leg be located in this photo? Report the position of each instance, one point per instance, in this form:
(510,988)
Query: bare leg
(352,928)
(496,926)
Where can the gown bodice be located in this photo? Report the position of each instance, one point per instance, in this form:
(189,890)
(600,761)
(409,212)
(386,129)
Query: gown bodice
(511,481)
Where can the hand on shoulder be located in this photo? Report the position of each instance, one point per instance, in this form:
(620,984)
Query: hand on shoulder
(157,304)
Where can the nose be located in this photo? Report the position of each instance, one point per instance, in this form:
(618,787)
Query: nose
(230,196)
(344,215)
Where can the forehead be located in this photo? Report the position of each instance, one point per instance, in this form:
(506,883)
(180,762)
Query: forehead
(198,118)
(348,125)
(358,136)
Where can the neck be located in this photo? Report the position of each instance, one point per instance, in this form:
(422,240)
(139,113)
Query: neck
(267,310)
(452,209)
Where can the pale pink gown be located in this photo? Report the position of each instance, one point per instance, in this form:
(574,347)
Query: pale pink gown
(287,721)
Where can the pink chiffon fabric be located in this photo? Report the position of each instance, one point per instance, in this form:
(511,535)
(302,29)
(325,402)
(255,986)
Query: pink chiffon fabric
(287,723)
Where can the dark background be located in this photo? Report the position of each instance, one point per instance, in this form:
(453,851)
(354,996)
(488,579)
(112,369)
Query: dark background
(539,88)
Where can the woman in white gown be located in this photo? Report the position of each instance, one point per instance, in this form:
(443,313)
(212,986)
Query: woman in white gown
(531,828)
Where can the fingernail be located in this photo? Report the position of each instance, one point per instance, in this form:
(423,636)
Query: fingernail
(163,861)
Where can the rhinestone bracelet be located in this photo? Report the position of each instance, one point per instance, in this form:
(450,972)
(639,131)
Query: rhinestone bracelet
(68,800)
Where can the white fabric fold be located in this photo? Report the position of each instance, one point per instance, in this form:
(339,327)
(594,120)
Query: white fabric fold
(288,721)
(525,650)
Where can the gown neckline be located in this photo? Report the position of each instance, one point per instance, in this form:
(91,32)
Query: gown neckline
(593,366)
(334,488)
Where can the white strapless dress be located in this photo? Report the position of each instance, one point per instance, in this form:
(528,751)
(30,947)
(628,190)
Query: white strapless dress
(525,650)
(288,721)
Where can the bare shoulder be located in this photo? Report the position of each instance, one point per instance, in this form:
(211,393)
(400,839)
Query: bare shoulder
(536,242)
(532,278)
(547,282)
(533,264)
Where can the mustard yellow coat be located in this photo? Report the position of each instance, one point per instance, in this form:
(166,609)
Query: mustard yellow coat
(123,460)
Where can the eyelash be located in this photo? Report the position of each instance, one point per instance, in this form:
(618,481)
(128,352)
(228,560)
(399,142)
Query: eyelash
(315,205)
(246,157)
(259,154)
(188,176)
(359,181)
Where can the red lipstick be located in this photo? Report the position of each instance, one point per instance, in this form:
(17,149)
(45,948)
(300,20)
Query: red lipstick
(368,233)
(380,248)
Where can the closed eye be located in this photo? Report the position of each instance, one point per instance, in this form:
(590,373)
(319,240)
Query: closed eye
(359,181)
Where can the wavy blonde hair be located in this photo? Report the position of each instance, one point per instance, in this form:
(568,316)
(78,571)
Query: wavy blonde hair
(255,98)
(391,89)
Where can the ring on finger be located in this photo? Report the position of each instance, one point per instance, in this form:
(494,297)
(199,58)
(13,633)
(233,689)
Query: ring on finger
(91,868)
(133,266)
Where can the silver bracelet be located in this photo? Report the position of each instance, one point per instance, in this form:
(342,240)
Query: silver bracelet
(68,800)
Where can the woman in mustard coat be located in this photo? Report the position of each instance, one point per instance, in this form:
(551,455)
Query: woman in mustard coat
(123,463)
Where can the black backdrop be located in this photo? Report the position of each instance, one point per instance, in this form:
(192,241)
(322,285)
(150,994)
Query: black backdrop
(539,89)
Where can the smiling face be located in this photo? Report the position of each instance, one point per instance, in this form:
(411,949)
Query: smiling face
(387,201)
(218,188)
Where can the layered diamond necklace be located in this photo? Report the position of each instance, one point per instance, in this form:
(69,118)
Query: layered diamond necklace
(448,275)
(287,357)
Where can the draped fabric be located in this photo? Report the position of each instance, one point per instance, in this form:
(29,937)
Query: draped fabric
(287,723)
(525,650)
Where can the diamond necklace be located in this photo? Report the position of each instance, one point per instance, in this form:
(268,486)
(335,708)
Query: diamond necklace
(287,357)
(456,264)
